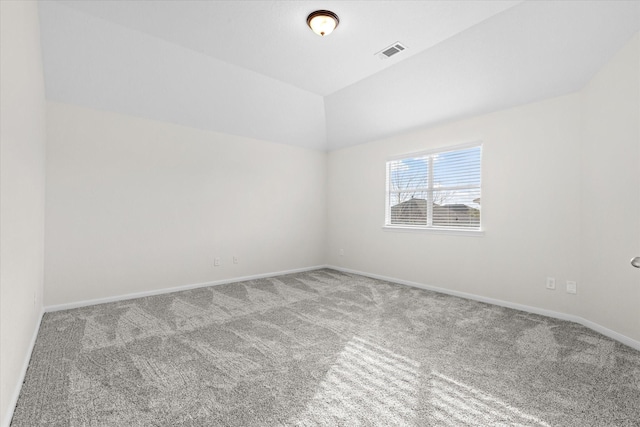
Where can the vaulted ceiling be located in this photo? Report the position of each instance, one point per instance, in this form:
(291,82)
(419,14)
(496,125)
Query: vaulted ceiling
(253,68)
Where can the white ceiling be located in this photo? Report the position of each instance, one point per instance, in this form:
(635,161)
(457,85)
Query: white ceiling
(253,68)
(271,37)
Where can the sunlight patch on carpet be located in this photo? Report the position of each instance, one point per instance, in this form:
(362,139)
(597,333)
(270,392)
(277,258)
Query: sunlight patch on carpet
(457,403)
(367,385)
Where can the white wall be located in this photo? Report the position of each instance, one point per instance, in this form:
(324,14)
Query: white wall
(610,288)
(136,205)
(530,208)
(560,198)
(22,168)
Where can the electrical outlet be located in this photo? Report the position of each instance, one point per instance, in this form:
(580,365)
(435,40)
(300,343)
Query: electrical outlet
(216,262)
(551,282)
(341,252)
(235,259)
(572,287)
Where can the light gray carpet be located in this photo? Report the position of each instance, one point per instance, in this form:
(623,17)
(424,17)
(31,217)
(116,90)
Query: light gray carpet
(322,348)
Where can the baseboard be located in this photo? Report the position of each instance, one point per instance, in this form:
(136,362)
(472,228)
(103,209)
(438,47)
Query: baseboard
(536,310)
(609,333)
(23,372)
(85,303)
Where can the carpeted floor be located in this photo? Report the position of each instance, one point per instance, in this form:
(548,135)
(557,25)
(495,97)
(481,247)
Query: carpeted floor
(322,348)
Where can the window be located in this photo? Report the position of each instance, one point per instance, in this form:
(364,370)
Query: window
(435,189)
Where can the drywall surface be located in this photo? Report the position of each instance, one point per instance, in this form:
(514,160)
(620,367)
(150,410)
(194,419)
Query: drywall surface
(135,205)
(22,166)
(119,69)
(531,52)
(530,208)
(610,288)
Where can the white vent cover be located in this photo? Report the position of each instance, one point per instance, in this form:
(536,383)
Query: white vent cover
(389,51)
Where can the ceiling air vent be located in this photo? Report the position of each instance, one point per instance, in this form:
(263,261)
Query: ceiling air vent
(389,51)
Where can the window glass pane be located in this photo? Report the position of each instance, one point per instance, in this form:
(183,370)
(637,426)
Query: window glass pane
(408,174)
(457,168)
(456,208)
(409,209)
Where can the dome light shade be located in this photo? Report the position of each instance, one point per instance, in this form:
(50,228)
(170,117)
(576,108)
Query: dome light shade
(322,22)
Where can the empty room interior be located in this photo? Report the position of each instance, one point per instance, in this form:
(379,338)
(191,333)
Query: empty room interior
(305,213)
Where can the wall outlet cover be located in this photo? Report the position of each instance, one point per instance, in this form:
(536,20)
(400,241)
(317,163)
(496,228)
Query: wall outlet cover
(551,282)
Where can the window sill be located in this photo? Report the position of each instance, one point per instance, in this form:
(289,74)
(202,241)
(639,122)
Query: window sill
(439,230)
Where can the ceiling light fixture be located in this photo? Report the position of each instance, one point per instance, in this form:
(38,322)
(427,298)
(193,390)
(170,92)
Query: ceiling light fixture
(322,22)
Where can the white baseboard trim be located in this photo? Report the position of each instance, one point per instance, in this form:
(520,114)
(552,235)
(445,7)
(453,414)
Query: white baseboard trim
(85,303)
(23,372)
(535,310)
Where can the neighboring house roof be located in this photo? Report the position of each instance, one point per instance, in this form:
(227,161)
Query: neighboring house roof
(414,212)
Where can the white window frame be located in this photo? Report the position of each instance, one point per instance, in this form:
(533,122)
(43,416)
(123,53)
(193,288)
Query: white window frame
(429,227)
